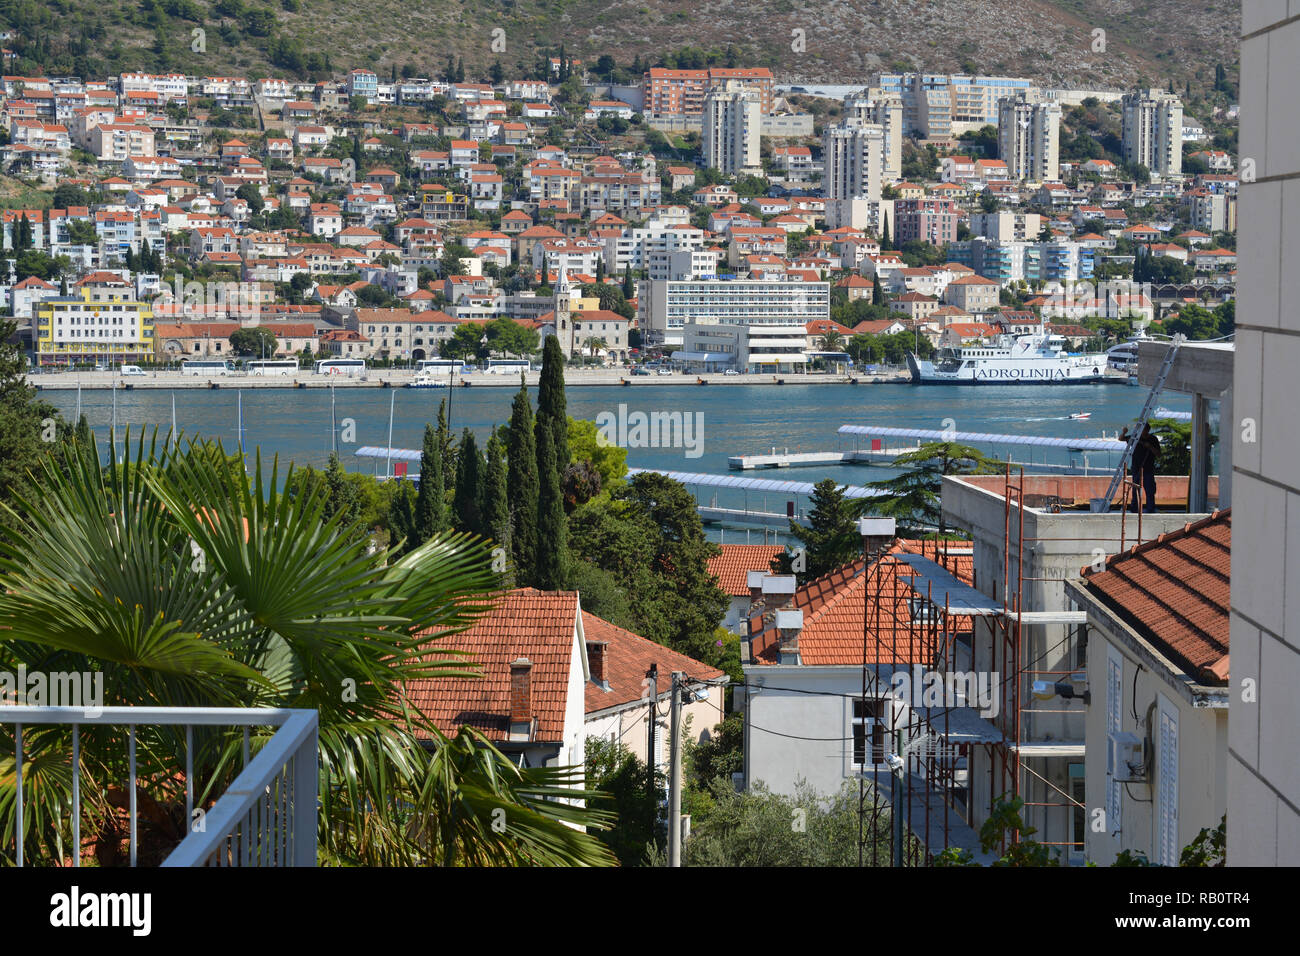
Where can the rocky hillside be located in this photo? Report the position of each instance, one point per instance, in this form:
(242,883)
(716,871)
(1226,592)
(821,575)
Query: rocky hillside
(828,40)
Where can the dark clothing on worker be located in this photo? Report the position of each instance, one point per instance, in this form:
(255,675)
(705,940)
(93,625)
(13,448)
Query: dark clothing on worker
(1145,453)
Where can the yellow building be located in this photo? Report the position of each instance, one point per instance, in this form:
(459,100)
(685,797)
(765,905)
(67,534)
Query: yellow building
(99,322)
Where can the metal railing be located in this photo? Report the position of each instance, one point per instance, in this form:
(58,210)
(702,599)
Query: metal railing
(267,815)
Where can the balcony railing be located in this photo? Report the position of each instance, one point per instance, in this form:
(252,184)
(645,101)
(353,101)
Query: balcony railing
(267,815)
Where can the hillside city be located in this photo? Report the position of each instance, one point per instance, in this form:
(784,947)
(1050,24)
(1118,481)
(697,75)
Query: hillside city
(970,662)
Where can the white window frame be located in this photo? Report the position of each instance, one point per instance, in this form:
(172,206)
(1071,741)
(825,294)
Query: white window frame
(1165,837)
(1114,723)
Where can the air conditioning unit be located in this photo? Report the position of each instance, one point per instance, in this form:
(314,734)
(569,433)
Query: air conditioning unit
(1125,756)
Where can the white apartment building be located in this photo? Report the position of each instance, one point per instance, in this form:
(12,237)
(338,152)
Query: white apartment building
(667,306)
(635,247)
(731,124)
(1029,131)
(853,155)
(873,106)
(1153,131)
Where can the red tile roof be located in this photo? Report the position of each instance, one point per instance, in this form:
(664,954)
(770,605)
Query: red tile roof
(1174,591)
(628,658)
(734,562)
(537,625)
(835,607)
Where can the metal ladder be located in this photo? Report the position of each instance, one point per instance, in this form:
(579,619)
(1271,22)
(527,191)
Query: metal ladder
(1102,505)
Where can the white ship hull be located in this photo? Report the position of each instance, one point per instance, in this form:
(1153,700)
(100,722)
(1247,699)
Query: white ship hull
(1038,358)
(1013,371)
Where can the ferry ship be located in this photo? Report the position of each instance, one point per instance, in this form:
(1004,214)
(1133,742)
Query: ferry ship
(1036,358)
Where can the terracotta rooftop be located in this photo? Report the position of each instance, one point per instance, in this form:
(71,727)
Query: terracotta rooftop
(537,625)
(736,560)
(628,658)
(1174,591)
(835,607)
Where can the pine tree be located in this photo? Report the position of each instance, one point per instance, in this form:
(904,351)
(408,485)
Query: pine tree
(552,570)
(521,480)
(469,486)
(552,409)
(430,507)
(494,505)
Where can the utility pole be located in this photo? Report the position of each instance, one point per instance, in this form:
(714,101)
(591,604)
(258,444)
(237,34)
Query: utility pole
(652,688)
(675,775)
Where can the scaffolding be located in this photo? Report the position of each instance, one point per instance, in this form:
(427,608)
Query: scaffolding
(920,612)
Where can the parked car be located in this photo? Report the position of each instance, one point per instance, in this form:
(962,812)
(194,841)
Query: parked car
(731,371)
(640,371)
(665,371)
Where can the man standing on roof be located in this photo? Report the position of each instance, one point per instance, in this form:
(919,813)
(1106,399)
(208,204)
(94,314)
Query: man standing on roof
(1145,453)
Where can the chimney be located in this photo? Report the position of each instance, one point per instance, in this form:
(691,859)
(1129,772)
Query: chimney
(778,591)
(754,581)
(596,662)
(878,534)
(521,699)
(789,622)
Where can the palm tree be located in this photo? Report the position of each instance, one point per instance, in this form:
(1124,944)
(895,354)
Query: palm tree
(188,583)
(593,345)
(831,341)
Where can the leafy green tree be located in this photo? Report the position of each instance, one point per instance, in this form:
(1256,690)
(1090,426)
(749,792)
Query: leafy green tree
(552,569)
(720,756)
(1175,456)
(753,829)
(26,422)
(255,340)
(649,535)
(469,486)
(464,343)
(608,458)
(621,776)
(552,411)
(522,481)
(1005,820)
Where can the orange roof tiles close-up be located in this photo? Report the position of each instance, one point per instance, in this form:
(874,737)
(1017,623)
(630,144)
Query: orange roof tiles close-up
(732,566)
(524,623)
(1174,591)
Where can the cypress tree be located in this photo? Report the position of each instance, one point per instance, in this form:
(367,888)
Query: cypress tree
(552,569)
(629,287)
(494,505)
(430,510)
(401,517)
(521,480)
(885,242)
(469,486)
(552,410)
(877,293)
(446,447)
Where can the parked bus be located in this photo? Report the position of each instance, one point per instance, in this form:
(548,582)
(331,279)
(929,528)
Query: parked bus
(272,366)
(508,366)
(440,365)
(205,367)
(341,366)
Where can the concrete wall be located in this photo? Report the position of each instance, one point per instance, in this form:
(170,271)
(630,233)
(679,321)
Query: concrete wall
(1056,547)
(817,705)
(1263,769)
(628,727)
(1148,681)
